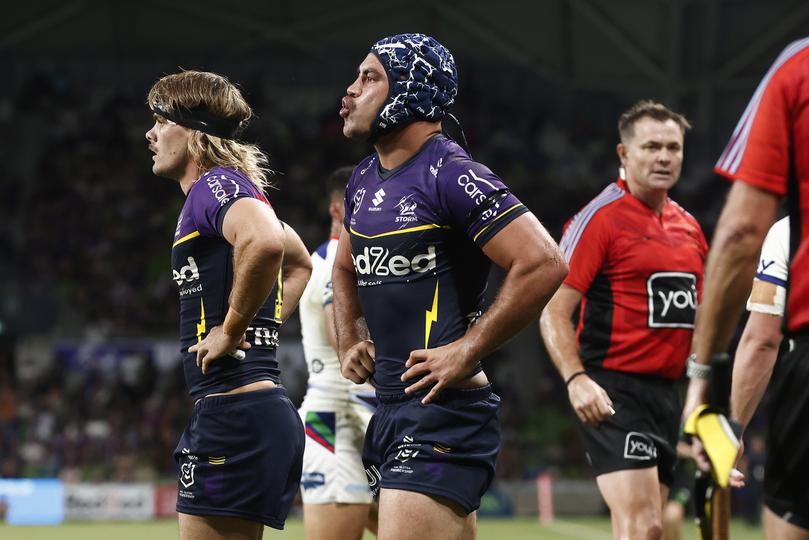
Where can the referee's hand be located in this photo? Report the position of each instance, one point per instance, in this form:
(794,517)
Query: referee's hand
(589,400)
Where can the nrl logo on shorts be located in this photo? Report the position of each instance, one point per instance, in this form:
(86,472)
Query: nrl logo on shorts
(187,474)
(407,450)
(639,446)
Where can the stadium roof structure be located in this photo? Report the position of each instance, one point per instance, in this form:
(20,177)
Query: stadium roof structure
(701,50)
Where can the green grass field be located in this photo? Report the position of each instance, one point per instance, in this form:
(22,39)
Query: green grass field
(489,529)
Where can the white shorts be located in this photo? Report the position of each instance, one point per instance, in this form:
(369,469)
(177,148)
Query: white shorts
(332,459)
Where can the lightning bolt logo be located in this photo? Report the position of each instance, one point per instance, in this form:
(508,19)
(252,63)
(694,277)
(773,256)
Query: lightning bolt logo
(430,317)
(201,324)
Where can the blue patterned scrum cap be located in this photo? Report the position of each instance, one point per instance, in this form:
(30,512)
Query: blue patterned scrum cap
(422,79)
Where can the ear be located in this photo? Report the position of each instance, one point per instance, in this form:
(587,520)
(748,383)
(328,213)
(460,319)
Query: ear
(336,210)
(620,149)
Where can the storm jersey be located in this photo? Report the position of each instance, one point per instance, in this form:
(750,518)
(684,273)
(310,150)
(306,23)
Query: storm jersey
(416,237)
(773,268)
(202,267)
(769,149)
(639,274)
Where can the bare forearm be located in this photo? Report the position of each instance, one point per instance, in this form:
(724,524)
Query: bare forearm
(524,293)
(731,265)
(295,280)
(256,266)
(751,375)
(560,341)
(349,323)
(754,363)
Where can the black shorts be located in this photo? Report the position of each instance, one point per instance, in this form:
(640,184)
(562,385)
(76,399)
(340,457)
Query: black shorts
(241,456)
(786,489)
(447,448)
(643,431)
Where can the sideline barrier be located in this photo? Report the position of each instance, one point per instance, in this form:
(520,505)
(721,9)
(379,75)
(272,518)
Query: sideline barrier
(26,501)
(105,502)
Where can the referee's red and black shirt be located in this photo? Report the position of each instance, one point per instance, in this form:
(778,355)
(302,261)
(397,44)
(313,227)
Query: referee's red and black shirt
(640,274)
(769,149)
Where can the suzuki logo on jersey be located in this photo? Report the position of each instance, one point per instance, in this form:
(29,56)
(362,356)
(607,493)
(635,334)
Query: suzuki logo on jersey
(639,446)
(378,261)
(672,299)
(379,196)
(187,273)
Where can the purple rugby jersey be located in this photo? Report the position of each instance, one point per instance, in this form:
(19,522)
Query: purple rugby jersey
(416,238)
(202,267)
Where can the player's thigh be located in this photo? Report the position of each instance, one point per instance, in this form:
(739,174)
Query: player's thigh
(776,528)
(335,521)
(409,515)
(632,493)
(218,528)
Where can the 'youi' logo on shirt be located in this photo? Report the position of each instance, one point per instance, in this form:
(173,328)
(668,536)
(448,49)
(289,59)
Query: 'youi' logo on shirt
(672,299)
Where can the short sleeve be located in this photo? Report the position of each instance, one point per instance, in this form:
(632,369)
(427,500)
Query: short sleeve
(475,200)
(773,268)
(759,149)
(211,196)
(585,244)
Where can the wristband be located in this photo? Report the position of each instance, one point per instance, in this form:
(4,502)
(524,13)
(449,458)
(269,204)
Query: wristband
(582,372)
(695,370)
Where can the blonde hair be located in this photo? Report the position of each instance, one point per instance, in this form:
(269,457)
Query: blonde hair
(220,97)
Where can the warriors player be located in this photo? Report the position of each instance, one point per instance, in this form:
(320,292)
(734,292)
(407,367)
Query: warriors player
(240,456)
(767,158)
(636,260)
(335,411)
(423,223)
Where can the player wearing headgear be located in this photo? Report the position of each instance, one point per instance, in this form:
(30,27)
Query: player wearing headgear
(636,260)
(767,158)
(423,222)
(239,458)
(336,497)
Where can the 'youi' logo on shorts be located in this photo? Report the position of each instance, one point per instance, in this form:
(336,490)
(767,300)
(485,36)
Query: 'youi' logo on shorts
(672,299)
(639,446)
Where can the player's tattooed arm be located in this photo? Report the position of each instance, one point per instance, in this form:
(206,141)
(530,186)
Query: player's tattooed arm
(295,271)
(534,270)
(590,402)
(354,346)
(251,227)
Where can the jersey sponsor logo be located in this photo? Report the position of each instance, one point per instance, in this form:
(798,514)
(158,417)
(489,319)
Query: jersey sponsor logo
(187,273)
(378,261)
(191,290)
(469,183)
(379,196)
(407,210)
(313,480)
(359,195)
(262,336)
(317,366)
(639,446)
(363,171)
(435,168)
(218,191)
(672,299)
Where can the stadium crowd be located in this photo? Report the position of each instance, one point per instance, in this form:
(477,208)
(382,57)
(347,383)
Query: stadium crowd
(89,248)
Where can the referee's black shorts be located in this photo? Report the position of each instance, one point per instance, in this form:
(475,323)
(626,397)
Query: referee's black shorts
(644,429)
(786,473)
